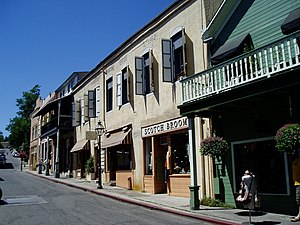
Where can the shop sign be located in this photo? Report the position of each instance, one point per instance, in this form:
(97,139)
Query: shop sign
(164,127)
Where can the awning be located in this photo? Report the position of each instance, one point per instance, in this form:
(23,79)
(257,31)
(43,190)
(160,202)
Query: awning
(230,49)
(115,139)
(291,23)
(79,146)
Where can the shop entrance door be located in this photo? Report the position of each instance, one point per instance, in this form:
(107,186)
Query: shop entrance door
(159,167)
(112,163)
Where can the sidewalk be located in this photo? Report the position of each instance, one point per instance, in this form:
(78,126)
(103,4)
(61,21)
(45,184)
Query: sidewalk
(171,204)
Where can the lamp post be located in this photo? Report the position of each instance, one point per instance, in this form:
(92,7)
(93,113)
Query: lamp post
(100,129)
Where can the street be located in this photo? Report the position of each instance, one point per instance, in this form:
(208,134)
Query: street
(29,200)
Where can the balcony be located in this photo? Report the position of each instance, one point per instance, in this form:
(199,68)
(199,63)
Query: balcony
(266,62)
(65,124)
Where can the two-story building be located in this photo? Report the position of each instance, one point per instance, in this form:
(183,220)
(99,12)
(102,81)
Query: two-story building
(56,136)
(34,136)
(135,92)
(250,90)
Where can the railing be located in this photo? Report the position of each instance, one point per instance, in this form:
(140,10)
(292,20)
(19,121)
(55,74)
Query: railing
(257,64)
(65,123)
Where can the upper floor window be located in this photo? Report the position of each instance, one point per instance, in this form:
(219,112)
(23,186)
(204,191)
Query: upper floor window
(109,94)
(173,56)
(123,87)
(86,107)
(143,72)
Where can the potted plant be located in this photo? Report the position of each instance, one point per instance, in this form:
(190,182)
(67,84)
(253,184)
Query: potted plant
(90,169)
(216,147)
(288,138)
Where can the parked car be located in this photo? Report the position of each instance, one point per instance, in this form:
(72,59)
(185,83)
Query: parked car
(2,159)
(16,154)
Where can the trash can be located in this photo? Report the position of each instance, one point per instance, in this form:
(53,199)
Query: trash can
(129,183)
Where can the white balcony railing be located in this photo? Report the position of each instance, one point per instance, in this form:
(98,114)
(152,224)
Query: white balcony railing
(255,65)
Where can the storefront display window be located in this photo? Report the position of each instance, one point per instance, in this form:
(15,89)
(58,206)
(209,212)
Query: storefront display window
(119,158)
(180,156)
(148,156)
(261,157)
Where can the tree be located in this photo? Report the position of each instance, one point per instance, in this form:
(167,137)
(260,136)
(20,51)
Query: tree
(19,127)
(1,139)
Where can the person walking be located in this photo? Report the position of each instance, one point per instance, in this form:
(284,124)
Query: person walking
(296,179)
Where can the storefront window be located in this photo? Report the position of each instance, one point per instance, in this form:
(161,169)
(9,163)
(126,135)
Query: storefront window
(148,156)
(124,158)
(180,156)
(262,158)
(119,158)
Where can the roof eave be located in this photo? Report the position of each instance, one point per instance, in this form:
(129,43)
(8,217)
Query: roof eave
(219,20)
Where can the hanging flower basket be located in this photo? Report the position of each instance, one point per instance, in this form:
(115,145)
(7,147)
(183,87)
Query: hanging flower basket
(215,147)
(288,138)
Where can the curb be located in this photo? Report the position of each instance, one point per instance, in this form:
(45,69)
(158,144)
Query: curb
(141,203)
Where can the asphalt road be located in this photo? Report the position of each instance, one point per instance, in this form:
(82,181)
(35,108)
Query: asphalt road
(29,200)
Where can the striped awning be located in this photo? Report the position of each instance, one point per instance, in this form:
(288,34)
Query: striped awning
(79,146)
(117,138)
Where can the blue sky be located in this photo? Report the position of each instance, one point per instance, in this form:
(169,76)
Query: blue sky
(44,41)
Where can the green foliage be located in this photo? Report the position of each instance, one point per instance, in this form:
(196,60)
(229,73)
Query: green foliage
(288,138)
(19,127)
(89,165)
(215,147)
(215,203)
(1,139)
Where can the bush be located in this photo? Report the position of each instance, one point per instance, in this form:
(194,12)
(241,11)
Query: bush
(216,147)
(288,138)
(89,166)
(215,203)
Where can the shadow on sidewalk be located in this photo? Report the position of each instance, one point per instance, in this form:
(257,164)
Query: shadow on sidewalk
(256,214)
(246,213)
(262,223)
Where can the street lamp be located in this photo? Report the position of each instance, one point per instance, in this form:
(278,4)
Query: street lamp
(100,129)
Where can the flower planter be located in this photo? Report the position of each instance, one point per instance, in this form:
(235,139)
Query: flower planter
(90,176)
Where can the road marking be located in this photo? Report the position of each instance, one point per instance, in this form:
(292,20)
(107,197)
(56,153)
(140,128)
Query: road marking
(22,200)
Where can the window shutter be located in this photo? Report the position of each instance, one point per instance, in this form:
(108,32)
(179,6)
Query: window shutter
(128,83)
(75,114)
(139,75)
(98,106)
(82,110)
(151,71)
(119,89)
(86,107)
(184,51)
(91,104)
(167,60)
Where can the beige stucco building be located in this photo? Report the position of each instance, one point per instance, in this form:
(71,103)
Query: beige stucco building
(135,92)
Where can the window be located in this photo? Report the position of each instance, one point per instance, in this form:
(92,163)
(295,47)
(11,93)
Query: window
(92,104)
(119,158)
(76,114)
(256,156)
(173,56)
(148,156)
(122,87)
(180,153)
(84,108)
(143,72)
(98,106)
(109,94)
